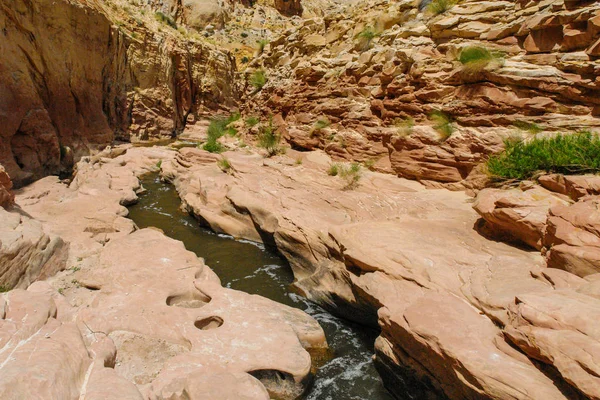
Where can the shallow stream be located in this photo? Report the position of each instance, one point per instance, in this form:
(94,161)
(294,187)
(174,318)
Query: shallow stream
(349,373)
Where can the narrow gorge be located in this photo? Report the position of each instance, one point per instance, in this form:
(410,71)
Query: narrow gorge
(299,199)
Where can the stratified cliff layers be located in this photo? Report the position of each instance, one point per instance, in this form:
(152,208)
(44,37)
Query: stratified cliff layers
(74,75)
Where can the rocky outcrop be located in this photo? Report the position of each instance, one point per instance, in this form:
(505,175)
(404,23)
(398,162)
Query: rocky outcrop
(28,252)
(517,214)
(566,233)
(7,197)
(573,237)
(76,75)
(376,68)
(392,253)
(139,316)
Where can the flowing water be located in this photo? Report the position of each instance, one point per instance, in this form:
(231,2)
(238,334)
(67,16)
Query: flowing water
(349,373)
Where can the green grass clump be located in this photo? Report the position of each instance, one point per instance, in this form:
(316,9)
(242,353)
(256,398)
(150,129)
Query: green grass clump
(366,37)
(269,139)
(443,124)
(477,58)
(322,123)
(530,127)
(437,7)
(262,43)
(224,164)
(216,129)
(165,19)
(334,169)
(405,126)
(258,79)
(252,121)
(351,175)
(566,154)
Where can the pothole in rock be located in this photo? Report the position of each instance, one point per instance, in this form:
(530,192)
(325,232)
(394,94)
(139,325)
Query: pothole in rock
(140,358)
(281,385)
(209,323)
(191,299)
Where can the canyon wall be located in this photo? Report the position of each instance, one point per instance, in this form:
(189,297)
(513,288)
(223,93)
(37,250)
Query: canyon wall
(76,75)
(376,71)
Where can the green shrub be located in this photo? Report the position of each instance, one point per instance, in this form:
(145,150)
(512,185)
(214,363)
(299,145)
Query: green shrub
(269,139)
(216,129)
(252,121)
(443,124)
(334,169)
(165,19)
(477,58)
(437,7)
(366,37)
(530,127)
(245,60)
(262,43)
(244,35)
(322,123)
(566,154)
(258,79)
(224,164)
(351,175)
(405,126)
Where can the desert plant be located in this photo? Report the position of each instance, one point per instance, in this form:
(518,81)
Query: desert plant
(4,289)
(262,43)
(224,164)
(252,121)
(366,37)
(258,79)
(405,126)
(477,58)
(322,123)
(299,161)
(244,35)
(165,19)
(566,154)
(369,164)
(245,60)
(437,7)
(216,129)
(351,174)
(443,124)
(269,139)
(334,169)
(530,127)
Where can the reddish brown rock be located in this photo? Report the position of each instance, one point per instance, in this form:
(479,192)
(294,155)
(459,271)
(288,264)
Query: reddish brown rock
(77,74)
(383,248)
(516,214)
(139,316)
(573,237)
(574,186)
(7,197)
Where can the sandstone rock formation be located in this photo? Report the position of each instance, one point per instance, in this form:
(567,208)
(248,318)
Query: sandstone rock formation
(444,295)
(136,315)
(7,197)
(75,75)
(408,67)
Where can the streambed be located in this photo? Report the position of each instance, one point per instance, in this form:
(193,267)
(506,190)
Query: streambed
(347,373)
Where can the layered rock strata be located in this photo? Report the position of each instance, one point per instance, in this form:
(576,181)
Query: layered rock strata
(75,75)
(137,316)
(391,253)
(376,68)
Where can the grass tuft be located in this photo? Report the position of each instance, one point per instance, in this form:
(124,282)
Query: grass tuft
(216,129)
(165,19)
(252,121)
(366,37)
(224,164)
(443,124)
(258,79)
(566,154)
(269,139)
(530,127)
(437,7)
(334,169)
(477,58)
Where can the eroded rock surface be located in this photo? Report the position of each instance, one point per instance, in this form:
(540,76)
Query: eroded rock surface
(75,75)
(375,69)
(442,292)
(137,315)
(7,197)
